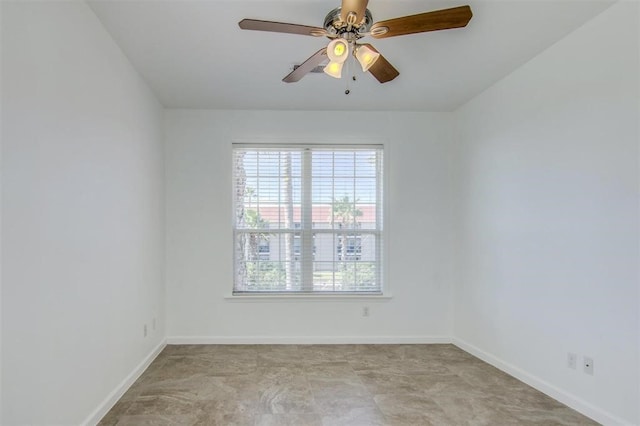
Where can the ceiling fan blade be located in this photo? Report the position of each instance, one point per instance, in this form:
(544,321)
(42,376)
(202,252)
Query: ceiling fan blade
(445,19)
(281,27)
(381,69)
(306,66)
(356,6)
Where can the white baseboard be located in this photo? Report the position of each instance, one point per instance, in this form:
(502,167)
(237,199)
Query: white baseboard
(117,393)
(578,404)
(304,340)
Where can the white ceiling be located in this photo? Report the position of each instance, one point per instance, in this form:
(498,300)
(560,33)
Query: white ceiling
(194,55)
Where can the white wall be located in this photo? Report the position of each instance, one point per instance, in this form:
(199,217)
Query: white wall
(82,214)
(199,234)
(549,214)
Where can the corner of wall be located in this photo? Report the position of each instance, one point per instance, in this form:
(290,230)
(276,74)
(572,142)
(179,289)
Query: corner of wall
(573,401)
(1,169)
(113,397)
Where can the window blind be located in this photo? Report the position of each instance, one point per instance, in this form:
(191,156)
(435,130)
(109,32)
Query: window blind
(308,219)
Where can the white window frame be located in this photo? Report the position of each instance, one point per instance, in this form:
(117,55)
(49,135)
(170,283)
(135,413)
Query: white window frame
(381,233)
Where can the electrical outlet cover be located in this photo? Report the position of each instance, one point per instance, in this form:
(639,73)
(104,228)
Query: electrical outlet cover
(588,365)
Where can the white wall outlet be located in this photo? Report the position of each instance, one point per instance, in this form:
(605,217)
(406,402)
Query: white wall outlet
(365,311)
(588,365)
(572,360)
(145,330)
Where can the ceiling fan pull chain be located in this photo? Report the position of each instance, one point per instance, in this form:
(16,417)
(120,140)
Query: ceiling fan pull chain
(352,58)
(346,90)
(348,63)
(351,61)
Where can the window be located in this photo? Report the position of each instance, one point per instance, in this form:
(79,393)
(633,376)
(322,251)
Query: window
(307,219)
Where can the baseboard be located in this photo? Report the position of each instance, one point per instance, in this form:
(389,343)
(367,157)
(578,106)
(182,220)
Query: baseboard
(117,393)
(304,340)
(578,404)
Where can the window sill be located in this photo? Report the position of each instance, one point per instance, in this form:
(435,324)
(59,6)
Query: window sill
(307,297)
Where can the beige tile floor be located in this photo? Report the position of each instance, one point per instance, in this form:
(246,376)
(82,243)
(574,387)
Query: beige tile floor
(331,385)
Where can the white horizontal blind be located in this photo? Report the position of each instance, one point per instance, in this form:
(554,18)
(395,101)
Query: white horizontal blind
(307,219)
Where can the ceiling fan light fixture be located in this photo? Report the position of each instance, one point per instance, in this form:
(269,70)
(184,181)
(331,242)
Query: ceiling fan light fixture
(334,69)
(338,50)
(366,56)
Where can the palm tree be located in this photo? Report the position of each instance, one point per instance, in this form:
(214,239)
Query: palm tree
(241,180)
(345,213)
(253,220)
(288,220)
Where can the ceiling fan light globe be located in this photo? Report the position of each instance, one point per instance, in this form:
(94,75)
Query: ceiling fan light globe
(334,69)
(338,50)
(367,57)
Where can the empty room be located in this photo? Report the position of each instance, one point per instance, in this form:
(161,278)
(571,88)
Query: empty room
(319,212)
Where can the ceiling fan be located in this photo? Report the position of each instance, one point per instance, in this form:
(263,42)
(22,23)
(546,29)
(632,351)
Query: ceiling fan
(347,24)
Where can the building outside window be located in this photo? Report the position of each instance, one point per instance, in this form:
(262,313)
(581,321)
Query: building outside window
(353,249)
(264,249)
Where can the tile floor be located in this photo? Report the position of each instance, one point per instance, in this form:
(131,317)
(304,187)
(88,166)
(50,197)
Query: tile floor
(331,385)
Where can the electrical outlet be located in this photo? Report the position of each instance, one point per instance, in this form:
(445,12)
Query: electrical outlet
(145,330)
(365,311)
(588,365)
(572,360)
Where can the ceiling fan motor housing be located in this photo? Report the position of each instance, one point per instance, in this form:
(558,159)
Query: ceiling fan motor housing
(335,26)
